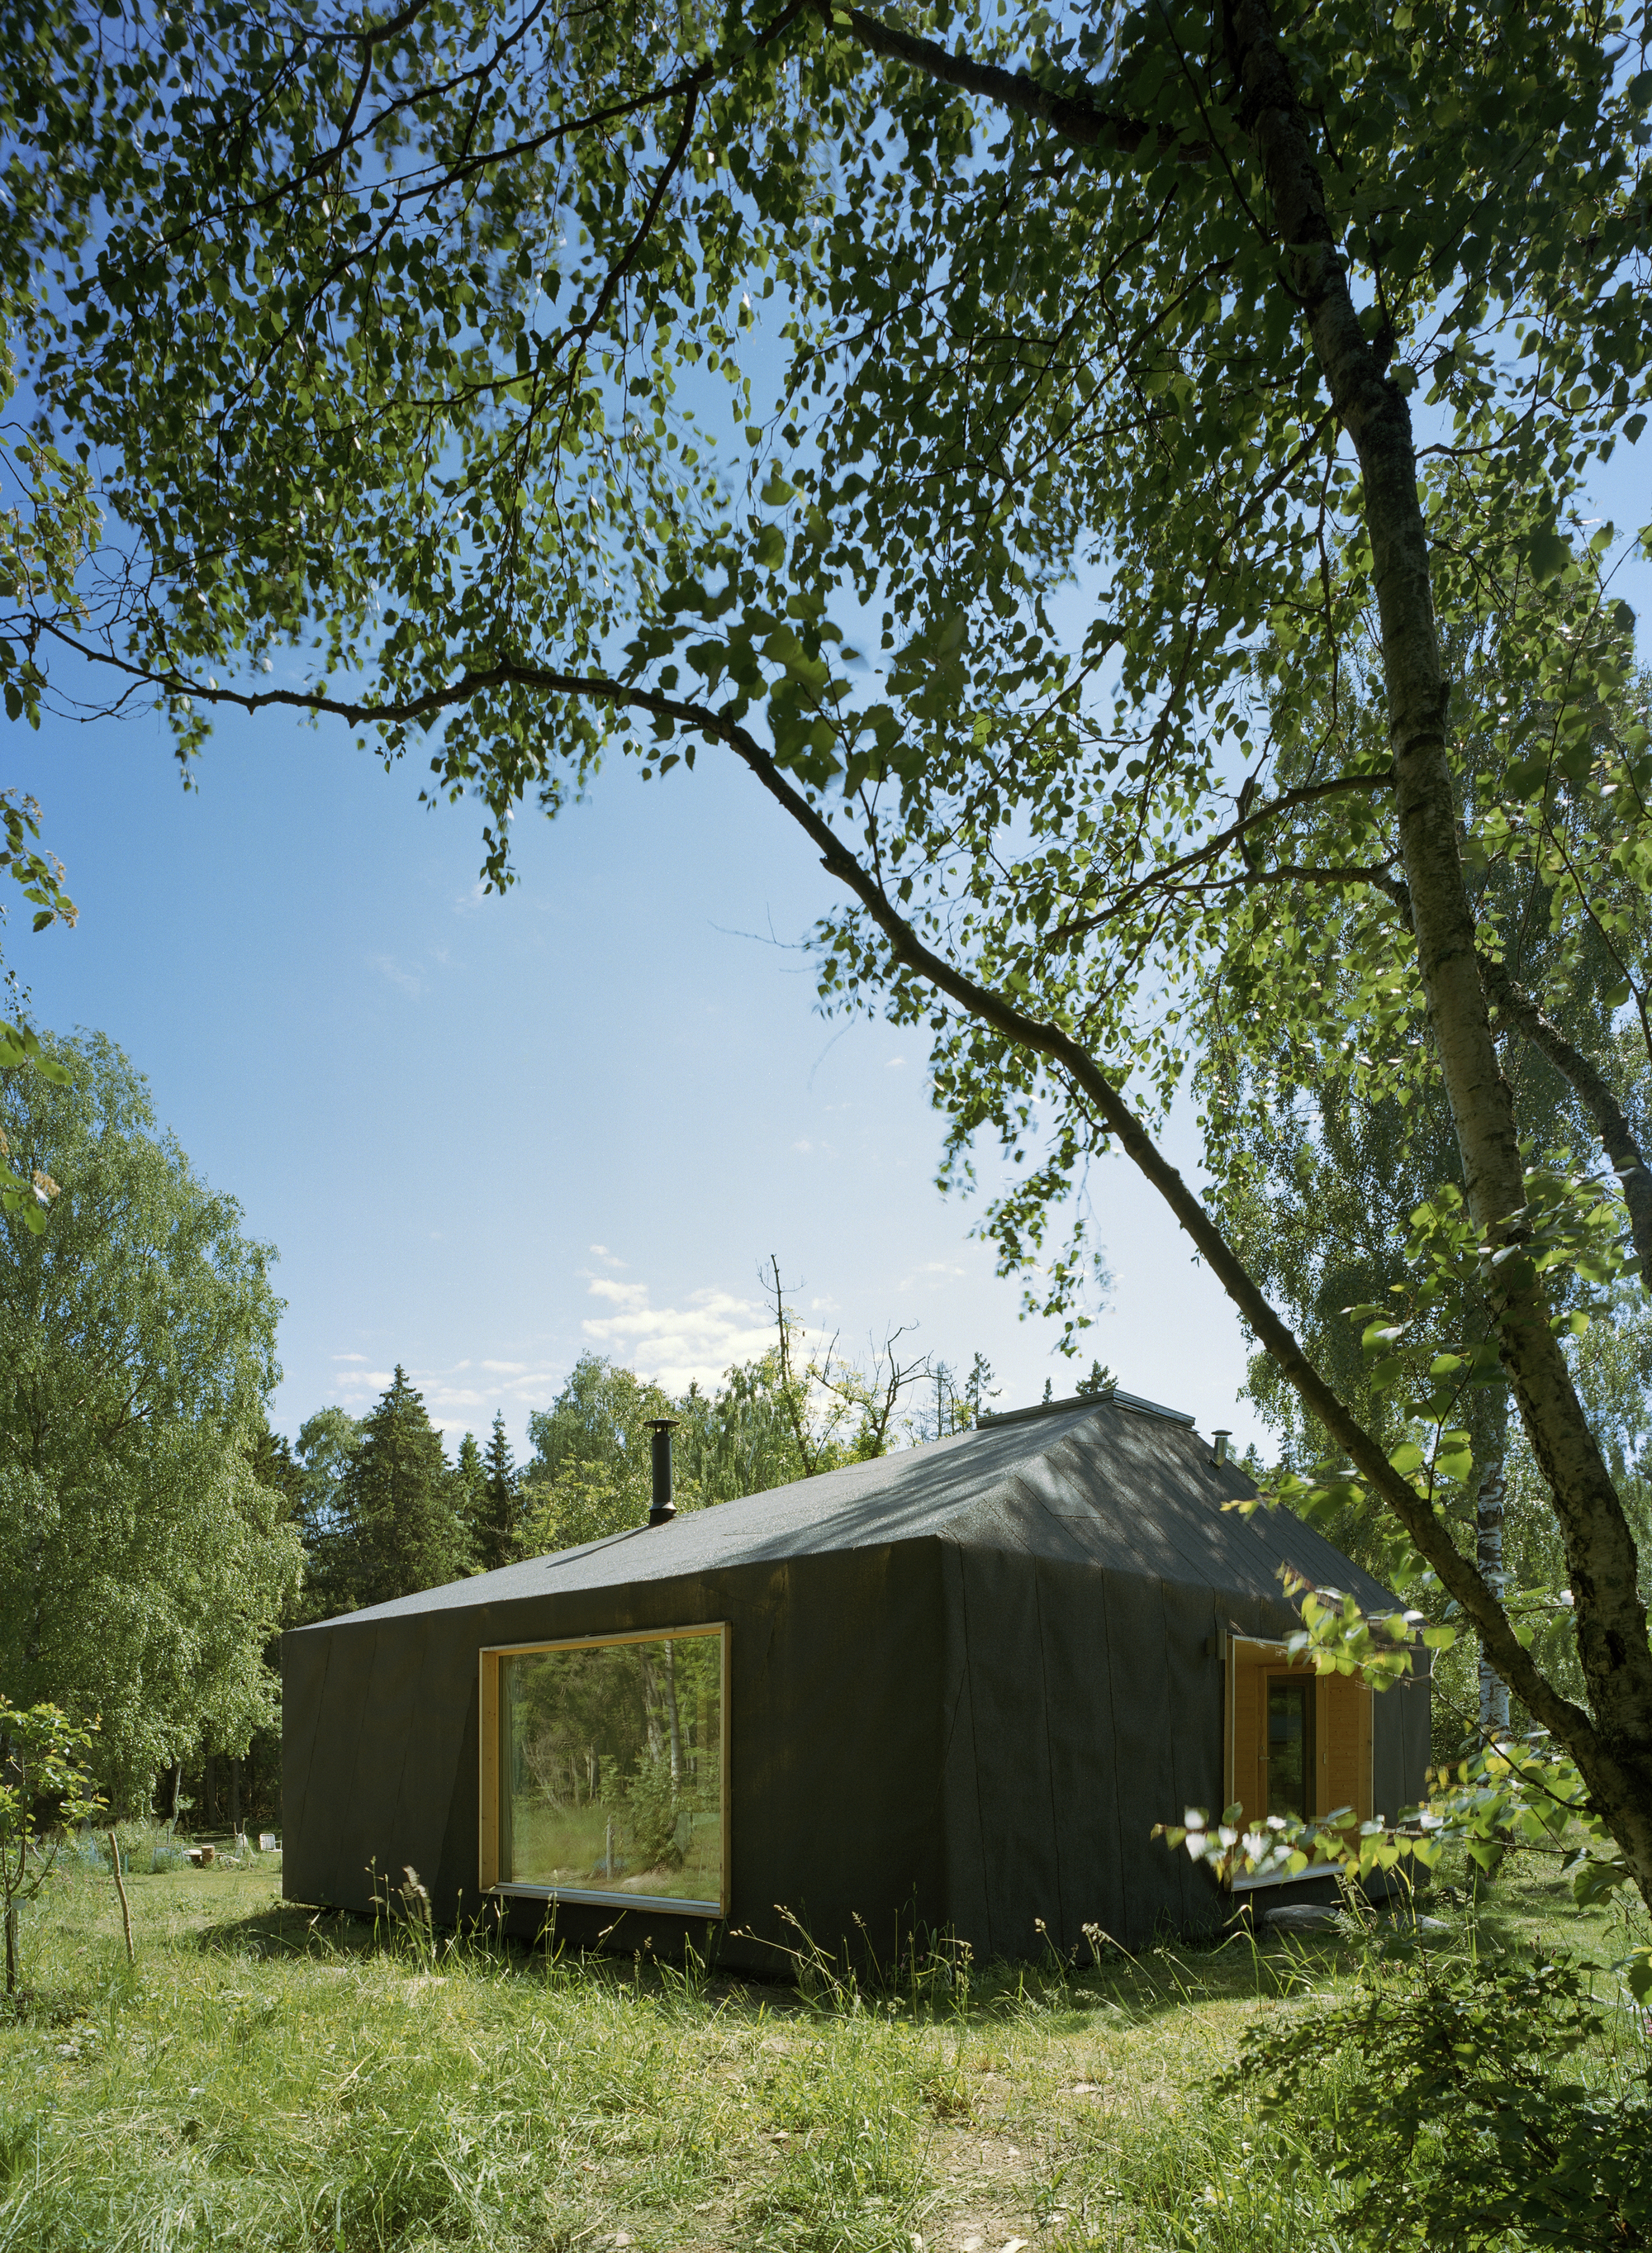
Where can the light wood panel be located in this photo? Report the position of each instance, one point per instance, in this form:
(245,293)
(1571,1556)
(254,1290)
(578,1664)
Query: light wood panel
(1341,1733)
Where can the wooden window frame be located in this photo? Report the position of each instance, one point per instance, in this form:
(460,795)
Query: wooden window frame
(1261,1657)
(489,1779)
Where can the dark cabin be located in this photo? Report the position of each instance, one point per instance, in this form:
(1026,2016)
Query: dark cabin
(953,1689)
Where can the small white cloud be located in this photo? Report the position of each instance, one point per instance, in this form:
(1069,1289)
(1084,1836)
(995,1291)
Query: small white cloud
(350,1356)
(396,975)
(601,1251)
(504,1367)
(629,1295)
(895,1063)
(804,1146)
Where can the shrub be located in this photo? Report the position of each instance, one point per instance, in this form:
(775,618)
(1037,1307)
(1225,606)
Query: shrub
(1462,2102)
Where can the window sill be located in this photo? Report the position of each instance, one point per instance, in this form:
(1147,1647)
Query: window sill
(1319,1870)
(592,1898)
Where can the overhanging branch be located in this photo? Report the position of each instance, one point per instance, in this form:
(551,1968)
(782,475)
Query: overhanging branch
(1084,118)
(1426,1529)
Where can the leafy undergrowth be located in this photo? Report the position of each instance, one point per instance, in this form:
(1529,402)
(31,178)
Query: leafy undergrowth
(270,2078)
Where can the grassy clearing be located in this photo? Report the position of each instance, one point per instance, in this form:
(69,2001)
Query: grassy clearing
(271,2079)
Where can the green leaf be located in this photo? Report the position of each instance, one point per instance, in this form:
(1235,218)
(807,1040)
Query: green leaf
(1547,554)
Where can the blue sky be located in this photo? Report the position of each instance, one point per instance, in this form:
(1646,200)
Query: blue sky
(486,1134)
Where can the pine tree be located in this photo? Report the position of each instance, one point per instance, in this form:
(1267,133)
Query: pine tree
(402,1531)
(494,1525)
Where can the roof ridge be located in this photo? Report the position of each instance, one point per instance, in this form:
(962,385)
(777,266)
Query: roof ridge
(1112,1399)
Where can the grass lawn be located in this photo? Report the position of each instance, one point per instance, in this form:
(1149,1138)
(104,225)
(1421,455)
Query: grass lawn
(271,2077)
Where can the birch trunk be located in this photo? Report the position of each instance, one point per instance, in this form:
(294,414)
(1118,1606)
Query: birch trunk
(1490,1430)
(1601,1554)
(673,1723)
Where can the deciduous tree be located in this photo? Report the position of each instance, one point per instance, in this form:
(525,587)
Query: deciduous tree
(146,1565)
(1147,385)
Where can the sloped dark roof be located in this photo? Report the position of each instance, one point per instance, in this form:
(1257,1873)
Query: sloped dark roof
(1112,1482)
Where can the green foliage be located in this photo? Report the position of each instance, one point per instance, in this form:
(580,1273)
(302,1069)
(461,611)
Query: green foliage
(494,1527)
(470,1482)
(146,1565)
(1451,2100)
(40,875)
(400,1524)
(389,2086)
(1087,392)
(44,1764)
(652,1803)
(789,1414)
(591,1470)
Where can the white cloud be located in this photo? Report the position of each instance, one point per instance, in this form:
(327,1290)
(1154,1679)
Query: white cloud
(350,1356)
(677,1346)
(895,1063)
(452,1395)
(629,1295)
(395,974)
(804,1146)
(602,1252)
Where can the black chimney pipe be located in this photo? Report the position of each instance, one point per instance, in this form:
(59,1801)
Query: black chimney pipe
(663,1508)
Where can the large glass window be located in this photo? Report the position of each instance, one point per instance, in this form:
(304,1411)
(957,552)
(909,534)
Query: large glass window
(608,1778)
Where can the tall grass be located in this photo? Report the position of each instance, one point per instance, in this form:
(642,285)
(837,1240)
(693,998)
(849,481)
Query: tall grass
(266,2078)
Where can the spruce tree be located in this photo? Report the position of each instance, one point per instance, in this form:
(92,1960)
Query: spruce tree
(401,1527)
(494,1526)
(469,1479)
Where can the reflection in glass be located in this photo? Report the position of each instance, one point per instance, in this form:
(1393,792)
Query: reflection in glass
(611,1767)
(1290,1722)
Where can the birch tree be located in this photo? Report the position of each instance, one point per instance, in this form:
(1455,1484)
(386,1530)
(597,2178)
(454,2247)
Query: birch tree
(1144,388)
(146,1566)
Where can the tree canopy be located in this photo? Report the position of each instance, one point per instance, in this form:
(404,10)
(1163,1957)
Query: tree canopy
(1194,414)
(401,1522)
(146,1565)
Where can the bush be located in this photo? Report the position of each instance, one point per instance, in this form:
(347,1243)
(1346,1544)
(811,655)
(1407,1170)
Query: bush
(1463,2102)
(652,1804)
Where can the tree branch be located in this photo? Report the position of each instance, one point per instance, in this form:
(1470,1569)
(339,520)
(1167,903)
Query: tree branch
(1235,834)
(1428,1529)
(1519,1009)
(1082,118)
(1618,1139)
